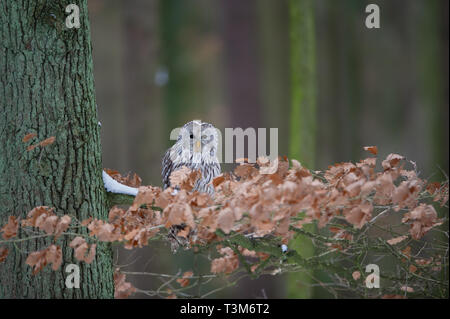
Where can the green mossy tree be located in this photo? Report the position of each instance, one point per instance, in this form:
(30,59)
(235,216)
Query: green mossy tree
(302,118)
(47,88)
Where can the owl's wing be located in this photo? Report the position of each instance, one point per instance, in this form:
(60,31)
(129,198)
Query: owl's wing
(167,168)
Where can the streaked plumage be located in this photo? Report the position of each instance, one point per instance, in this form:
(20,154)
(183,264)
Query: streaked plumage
(195,148)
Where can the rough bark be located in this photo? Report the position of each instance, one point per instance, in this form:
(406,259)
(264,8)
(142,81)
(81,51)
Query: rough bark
(47,87)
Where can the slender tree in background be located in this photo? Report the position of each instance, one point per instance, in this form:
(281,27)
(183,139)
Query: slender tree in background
(340,25)
(431,59)
(274,65)
(175,94)
(106,20)
(241,56)
(302,118)
(47,88)
(180,94)
(140,35)
(138,55)
(243,81)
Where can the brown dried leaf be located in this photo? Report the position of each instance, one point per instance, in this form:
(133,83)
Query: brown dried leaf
(86,222)
(200,199)
(371,149)
(184,232)
(407,251)
(421,219)
(54,256)
(406,194)
(407,289)
(39,259)
(10,229)
(296,165)
(91,255)
(47,141)
(412,268)
(3,254)
(226,219)
(31,147)
(440,192)
(359,215)
(37,215)
(184,281)
(43,218)
(177,214)
(62,225)
(224,265)
(122,289)
(80,251)
(396,240)
(47,224)
(146,195)
(36,260)
(104,231)
(184,178)
(218,180)
(245,171)
(81,247)
(28,137)
(77,241)
(391,161)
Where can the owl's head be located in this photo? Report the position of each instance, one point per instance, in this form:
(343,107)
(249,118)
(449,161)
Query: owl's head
(197,141)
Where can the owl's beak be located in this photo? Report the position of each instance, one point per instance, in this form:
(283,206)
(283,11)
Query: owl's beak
(198,147)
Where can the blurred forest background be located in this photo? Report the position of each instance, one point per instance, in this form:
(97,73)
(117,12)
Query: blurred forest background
(161,63)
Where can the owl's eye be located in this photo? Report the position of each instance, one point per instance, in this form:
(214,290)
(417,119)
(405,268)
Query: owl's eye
(191,136)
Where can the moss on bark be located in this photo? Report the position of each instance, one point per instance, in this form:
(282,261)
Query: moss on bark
(47,88)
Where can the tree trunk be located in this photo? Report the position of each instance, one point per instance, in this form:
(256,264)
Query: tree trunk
(431,60)
(47,88)
(142,96)
(106,21)
(144,112)
(303,118)
(241,57)
(273,23)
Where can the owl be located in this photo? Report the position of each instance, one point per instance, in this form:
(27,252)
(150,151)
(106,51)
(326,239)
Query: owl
(196,148)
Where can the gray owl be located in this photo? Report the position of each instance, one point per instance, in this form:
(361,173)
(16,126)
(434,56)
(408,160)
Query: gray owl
(195,148)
